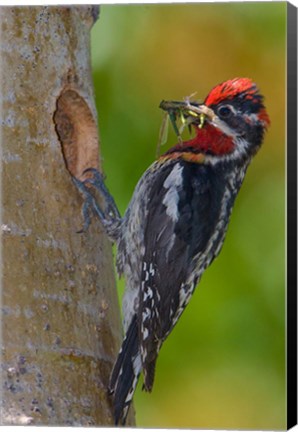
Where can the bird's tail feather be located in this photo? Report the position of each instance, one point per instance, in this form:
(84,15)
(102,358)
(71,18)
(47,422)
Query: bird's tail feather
(125,373)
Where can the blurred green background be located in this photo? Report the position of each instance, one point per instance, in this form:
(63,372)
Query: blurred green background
(224,364)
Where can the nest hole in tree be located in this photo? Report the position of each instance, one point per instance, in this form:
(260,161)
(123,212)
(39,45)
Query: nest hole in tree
(77,132)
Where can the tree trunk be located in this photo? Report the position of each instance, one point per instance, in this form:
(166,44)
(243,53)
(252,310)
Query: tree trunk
(60,315)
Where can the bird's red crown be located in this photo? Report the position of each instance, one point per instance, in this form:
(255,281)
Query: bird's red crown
(231,88)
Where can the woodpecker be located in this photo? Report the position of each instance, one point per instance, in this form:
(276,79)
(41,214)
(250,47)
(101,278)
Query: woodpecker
(176,223)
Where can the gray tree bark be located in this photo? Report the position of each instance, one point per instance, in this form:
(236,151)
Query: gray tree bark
(60,317)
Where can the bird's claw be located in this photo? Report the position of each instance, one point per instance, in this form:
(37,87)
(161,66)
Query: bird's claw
(98,182)
(107,216)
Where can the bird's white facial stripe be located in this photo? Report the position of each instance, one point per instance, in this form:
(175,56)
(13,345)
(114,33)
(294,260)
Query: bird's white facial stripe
(171,198)
(222,126)
(252,118)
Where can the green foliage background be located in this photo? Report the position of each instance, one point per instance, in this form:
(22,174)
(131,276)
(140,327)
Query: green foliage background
(224,364)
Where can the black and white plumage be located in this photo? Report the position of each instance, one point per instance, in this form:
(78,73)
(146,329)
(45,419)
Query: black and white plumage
(175,225)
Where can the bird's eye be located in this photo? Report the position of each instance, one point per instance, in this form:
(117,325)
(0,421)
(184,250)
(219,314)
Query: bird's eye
(225,111)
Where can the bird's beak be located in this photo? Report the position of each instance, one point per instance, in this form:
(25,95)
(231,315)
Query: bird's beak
(200,113)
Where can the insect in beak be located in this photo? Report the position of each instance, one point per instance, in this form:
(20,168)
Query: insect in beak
(202,120)
(186,113)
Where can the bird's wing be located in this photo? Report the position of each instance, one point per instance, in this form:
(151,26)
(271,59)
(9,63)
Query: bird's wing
(181,218)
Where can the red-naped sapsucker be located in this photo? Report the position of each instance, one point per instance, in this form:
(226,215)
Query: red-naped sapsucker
(176,223)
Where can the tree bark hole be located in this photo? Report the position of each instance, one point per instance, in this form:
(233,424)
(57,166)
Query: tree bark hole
(77,132)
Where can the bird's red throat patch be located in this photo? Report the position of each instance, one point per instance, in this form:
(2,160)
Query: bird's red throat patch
(208,139)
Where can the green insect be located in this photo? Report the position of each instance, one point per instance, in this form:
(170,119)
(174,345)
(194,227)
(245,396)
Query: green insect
(181,115)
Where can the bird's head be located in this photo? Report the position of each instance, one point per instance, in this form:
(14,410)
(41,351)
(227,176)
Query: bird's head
(230,122)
